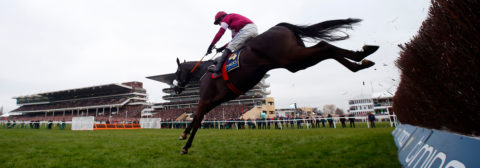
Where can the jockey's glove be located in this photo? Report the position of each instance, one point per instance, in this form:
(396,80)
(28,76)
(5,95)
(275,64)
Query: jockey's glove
(221,49)
(209,50)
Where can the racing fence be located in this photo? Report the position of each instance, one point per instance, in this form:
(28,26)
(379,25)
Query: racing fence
(300,123)
(82,123)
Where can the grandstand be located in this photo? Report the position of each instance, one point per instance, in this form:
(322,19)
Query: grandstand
(379,103)
(109,102)
(185,104)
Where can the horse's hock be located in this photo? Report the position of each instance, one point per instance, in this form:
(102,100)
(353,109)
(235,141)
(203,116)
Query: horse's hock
(440,68)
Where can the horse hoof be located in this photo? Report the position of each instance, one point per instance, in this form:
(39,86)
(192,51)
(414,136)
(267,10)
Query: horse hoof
(367,63)
(182,137)
(184,151)
(369,49)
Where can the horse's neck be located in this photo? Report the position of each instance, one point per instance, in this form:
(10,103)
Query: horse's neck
(200,69)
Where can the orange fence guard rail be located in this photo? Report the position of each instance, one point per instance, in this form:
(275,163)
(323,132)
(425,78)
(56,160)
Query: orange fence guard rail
(115,126)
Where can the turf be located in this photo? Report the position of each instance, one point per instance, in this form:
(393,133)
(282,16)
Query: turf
(323,147)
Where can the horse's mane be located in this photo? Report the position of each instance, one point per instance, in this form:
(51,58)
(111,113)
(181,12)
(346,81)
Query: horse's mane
(201,68)
(191,64)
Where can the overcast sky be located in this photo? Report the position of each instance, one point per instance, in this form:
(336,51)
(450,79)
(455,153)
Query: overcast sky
(55,45)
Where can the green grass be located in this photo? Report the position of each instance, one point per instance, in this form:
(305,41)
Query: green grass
(322,147)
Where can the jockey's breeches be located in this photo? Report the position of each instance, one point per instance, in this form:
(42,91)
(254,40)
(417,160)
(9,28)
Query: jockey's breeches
(247,32)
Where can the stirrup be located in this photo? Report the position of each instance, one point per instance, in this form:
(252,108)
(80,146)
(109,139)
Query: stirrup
(211,68)
(215,68)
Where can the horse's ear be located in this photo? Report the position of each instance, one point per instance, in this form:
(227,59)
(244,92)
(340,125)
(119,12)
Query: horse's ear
(178,62)
(184,61)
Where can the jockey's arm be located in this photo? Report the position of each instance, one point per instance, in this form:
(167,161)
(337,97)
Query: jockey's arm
(220,33)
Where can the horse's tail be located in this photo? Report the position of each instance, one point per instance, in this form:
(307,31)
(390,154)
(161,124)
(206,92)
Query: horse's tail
(324,30)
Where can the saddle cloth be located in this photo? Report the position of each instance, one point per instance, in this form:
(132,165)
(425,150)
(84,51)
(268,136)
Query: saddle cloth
(232,63)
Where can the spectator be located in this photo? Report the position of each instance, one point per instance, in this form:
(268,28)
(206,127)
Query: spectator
(323,122)
(12,125)
(371,118)
(249,123)
(22,125)
(342,120)
(268,123)
(37,124)
(311,122)
(317,122)
(241,124)
(292,122)
(286,122)
(264,123)
(275,120)
(330,121)
(63,124)
(308,122)
(280,122)
(49,125)
(259,123)
(352,120)
(299,122)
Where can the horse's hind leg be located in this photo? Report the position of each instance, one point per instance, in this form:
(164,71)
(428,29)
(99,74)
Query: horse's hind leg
(353,66)
(352,55)
(306,57)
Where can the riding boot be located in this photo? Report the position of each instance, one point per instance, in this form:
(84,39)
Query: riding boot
(216,68)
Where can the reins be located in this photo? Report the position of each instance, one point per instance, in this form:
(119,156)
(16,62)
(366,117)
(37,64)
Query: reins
(230,85)
(198,63)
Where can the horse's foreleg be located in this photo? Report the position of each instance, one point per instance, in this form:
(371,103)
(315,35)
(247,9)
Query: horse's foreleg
(196,124)
(203,108)
(187,130)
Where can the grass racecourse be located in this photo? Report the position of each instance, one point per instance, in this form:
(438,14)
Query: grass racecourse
(321,147)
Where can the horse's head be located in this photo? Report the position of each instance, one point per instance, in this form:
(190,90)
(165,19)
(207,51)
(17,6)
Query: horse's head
(182,77)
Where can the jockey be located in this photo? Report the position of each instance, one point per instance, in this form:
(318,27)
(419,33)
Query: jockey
(242,29)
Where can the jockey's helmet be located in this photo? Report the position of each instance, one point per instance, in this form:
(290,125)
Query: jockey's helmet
(218,17)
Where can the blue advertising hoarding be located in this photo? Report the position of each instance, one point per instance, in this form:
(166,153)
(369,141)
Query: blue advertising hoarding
(424,148)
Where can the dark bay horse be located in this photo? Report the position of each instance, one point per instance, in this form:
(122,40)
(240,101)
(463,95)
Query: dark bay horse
(279,47)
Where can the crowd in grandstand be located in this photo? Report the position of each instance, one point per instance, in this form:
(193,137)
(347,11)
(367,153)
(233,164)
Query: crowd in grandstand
(123,113)
(113,102)
(73,104)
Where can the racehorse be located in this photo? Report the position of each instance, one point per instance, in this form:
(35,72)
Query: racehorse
(279,47)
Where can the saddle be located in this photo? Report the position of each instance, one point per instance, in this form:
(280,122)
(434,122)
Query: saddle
(232,63)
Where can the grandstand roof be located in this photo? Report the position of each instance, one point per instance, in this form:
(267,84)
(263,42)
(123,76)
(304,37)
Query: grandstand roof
(84,91)
(165,78)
